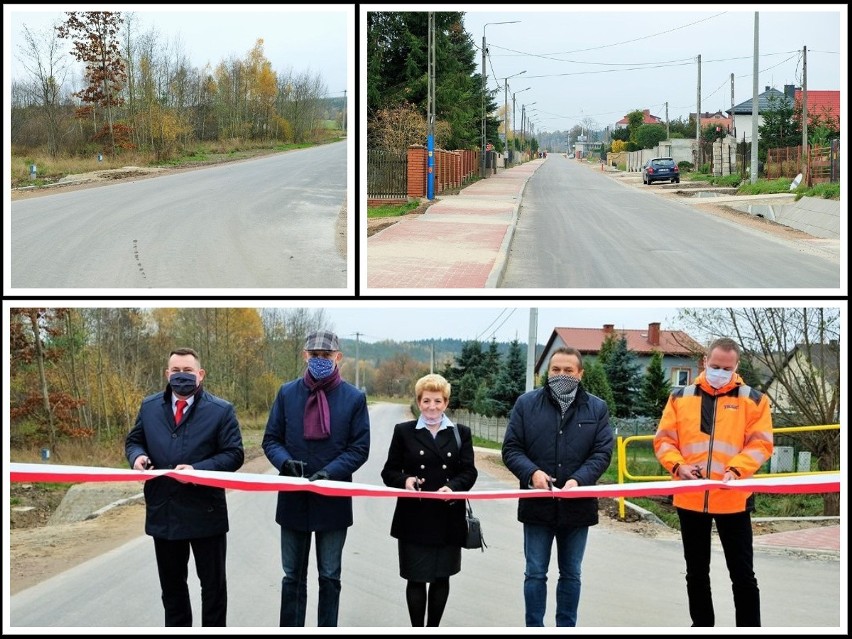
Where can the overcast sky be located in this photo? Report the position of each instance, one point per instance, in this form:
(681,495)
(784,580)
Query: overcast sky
(318,39)
(603,61)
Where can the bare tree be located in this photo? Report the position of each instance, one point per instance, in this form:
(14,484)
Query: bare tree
(41,57)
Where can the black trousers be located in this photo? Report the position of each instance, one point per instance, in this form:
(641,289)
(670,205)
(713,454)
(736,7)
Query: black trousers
(172,566)
(736,537)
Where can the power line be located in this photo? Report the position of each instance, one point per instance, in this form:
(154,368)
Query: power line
(490,325)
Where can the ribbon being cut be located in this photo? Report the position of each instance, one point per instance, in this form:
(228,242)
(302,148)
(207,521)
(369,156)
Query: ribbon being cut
(820,483)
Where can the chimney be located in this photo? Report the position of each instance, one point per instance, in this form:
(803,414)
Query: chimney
(767,88)
(790,91)
(608,328)
(654,333)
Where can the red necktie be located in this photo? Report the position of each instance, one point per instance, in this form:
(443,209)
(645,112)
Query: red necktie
(181,404)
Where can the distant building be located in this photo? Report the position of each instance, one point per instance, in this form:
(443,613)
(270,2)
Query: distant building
(716,119)
(647,118)
(681,354)
(742,112)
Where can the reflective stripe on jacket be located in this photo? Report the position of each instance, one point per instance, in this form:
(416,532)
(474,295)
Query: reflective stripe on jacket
(717,429)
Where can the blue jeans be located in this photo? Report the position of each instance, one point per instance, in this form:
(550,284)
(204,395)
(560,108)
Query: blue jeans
(570,546)
(295,553)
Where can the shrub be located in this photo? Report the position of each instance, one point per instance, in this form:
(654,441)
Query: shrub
(684,166)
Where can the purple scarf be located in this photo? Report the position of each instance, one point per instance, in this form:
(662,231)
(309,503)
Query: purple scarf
(317,420)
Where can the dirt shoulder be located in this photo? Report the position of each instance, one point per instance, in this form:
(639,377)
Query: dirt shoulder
(376,224)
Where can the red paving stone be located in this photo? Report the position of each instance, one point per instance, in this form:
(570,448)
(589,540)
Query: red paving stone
(463,253)
(819,538)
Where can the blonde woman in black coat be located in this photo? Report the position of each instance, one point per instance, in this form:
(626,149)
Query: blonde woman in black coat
(424,456)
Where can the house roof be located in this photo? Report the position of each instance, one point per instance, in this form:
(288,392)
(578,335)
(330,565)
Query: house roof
(589,340)
(823,357)
(820,102)
(647,118)
(744,108)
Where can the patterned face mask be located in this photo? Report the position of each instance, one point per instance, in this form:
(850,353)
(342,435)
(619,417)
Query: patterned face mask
(320,367)
(563,384)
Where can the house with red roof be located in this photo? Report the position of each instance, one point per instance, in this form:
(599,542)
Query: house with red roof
(647,118)
(826,104)
(681,354)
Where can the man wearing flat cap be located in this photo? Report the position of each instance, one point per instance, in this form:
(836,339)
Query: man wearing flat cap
(318,428)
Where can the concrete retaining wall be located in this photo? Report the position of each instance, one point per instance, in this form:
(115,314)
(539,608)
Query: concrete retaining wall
(814,216)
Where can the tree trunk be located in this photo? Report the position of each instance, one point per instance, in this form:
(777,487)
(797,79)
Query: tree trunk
(45,396)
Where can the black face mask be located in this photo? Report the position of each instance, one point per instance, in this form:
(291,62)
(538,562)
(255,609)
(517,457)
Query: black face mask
(183,384)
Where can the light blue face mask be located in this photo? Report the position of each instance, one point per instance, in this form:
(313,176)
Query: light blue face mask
(718,377)
(320,367)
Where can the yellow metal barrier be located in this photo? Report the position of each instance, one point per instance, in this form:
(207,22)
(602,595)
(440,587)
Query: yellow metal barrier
(623,474)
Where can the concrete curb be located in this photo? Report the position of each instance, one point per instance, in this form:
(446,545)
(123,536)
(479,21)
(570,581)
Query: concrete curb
(499,266)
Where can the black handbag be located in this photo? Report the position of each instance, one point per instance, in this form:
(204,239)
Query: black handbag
(473,538)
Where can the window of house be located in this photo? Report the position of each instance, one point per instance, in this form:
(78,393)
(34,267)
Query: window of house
(680,376)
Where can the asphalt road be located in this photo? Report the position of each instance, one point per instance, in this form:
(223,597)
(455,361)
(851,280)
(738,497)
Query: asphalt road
(267,223)
(629,581)
(579,228)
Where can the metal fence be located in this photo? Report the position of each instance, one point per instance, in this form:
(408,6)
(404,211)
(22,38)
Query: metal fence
(494,428)
(387,175)
(823,163)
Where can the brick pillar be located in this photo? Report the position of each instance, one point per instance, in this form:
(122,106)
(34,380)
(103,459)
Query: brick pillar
(417,168)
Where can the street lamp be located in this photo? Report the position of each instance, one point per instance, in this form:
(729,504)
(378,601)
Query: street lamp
(513,108)
(524,119)
(484,88)
(506,105)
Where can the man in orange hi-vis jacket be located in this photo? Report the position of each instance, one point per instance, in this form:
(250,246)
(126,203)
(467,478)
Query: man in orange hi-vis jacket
(716,428)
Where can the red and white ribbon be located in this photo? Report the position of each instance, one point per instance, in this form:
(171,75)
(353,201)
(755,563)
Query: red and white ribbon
(822,483)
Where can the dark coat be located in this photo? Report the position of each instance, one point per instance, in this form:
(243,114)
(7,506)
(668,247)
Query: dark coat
(577,446)
(208,438)
(344,452)
(437,460)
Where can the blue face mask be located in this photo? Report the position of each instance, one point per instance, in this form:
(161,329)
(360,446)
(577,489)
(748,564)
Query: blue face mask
(320,367)
(183,384)
(717,377)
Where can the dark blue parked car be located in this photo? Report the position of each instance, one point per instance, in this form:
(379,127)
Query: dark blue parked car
(660,170)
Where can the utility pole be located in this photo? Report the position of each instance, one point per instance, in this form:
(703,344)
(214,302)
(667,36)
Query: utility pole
(430,135)
(357,361)
(531,342)
(698,116)
(484,90)
(482,145)
(733,128)
(667,121)
(754,105)
(804,113)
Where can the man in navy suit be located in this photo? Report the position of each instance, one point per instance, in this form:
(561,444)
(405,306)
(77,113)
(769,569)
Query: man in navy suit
(184,428)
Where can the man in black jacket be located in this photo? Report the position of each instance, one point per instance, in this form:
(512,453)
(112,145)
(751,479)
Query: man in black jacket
(558,437)
(186,428)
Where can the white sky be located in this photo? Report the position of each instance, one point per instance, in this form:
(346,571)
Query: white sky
(318,39)
(602,62)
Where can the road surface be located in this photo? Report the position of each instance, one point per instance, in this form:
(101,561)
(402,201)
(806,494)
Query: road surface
(629,581)
(579,228)
(266,223)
